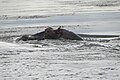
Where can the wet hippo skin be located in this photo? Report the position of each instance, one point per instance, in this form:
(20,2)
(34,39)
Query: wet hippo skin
(66,34)
(49,33)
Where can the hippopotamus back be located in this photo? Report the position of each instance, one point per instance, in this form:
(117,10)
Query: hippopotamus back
(69,35)
(49,33)
(38,36)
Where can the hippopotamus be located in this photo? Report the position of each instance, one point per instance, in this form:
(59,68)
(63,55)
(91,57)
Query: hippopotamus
(50,33)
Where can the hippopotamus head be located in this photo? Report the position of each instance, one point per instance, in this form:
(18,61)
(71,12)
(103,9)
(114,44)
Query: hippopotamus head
(51,34)
(24,38)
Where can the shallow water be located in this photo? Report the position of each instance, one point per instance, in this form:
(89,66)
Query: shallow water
(55,7)
(99,23)
(95,58)
(93,16)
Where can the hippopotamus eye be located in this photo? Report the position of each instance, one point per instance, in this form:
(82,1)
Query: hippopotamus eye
(47,31)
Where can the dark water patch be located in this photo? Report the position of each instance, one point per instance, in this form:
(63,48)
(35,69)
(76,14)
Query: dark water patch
(102,3)
(7,17)
(90,44)
(9,53)
(102,73)
(3,17)
(8,38)
(109,68)
(98,36)
(3,57)
(4,1)
(8,31)
(117,38)
(108,3)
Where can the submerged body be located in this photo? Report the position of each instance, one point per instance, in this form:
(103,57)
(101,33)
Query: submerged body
(37,36)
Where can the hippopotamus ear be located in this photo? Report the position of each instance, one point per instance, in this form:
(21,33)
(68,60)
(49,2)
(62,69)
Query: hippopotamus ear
(59,28)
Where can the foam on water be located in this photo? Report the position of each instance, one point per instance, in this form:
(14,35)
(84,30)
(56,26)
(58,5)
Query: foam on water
(56,59)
